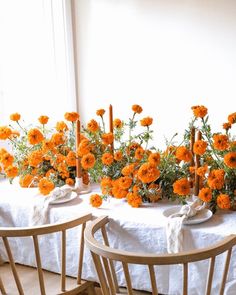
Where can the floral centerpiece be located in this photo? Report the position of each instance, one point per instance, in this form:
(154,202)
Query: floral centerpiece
(40,156)
(217,160)
(125,166)
(122,160)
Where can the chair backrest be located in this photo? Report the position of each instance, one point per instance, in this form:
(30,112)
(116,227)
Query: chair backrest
(35,233)
(104,256)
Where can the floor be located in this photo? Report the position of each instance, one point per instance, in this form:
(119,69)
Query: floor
(29,278)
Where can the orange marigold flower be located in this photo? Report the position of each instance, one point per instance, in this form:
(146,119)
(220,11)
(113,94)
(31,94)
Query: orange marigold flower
(88,161)
(139,153)
(71,159)
(106,185)
(35,136)
(7,159)
(84,148)
(117,123)
(128,170)
(93,125)
(201,171)
(58,158)
(26,180)
(100,112)
(134,200)
(11,171)
(45,186)
(107,159)
(216,179)
(136,189)
(118,156)
(72,116)
(145,122)
(227,126)
(43,120)
(125,182)
(47,145)
(199,111)
(118,192)
(183,154)
(58,139)
(148,173)
(61,126)
(223,201)
(221,142)
(137,108)
(199,147)
(96,200)
(107,138)
(181,187)
(35,158)
(15,117)
(205,194)
(154,158)
(70,181)
(232,118)
(5,132)
(230,159)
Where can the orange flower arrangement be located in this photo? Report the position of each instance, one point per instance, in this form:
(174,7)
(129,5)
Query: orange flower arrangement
(217,158)
(120,159)
(121,164)
(41,156)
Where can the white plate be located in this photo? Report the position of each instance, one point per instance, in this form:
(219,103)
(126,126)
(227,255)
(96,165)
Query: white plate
(200,217)
(69,197)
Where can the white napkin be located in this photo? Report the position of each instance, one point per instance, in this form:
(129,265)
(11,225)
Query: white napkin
(40,209)
(174,233)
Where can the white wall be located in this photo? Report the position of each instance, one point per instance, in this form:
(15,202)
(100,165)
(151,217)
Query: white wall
(165,55)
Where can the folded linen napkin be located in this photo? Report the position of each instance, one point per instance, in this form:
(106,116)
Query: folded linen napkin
(40,209)
(174,231)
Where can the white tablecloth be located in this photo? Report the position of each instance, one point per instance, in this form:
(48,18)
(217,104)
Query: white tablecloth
(140,229)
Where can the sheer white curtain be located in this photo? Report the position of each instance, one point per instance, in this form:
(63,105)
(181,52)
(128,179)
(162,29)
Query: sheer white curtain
(36,59)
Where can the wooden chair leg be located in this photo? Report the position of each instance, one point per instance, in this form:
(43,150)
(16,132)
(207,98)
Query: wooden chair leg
(2,289)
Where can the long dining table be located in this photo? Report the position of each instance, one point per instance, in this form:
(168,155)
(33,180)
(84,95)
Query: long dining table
(140,229)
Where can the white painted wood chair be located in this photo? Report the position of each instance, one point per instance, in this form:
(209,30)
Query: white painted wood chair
(35,233)
(104,256)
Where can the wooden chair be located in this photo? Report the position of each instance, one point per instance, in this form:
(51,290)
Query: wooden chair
(35,233)
(103,257)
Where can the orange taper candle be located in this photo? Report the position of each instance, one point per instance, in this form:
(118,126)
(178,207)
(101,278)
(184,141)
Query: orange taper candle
(78,163)
(197,165)
(111,124)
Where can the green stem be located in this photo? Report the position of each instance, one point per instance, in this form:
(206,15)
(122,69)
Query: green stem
(148,138)
(25,131)
(103,124)
(211,144)
(130,129)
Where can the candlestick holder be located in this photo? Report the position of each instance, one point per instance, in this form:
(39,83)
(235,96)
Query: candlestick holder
(81,188)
